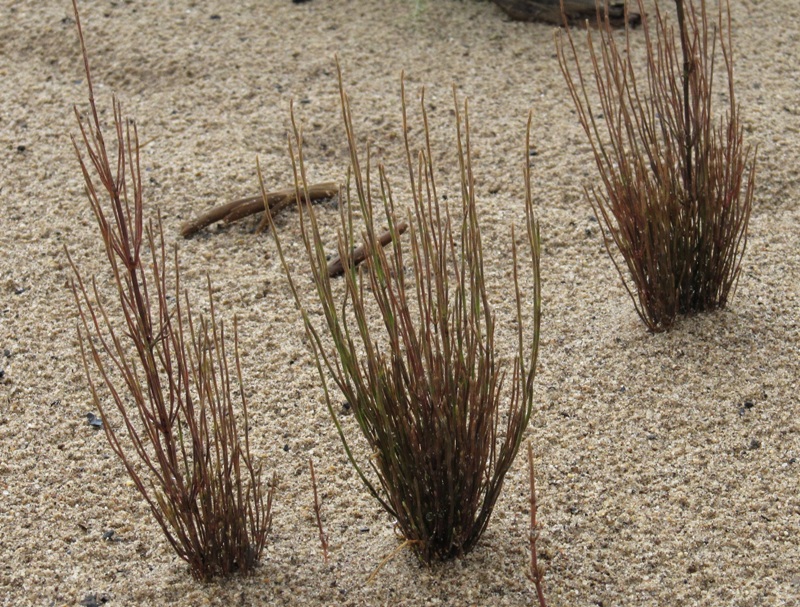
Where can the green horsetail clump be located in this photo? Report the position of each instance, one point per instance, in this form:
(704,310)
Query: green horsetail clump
(408,339)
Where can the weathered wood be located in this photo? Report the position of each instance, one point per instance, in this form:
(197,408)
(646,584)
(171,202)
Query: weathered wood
(575,11)
(336,267)
(238,209)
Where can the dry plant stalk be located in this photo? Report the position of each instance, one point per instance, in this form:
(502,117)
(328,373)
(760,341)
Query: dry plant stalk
(181,444)
(537,571)
(425,386)
(677,183)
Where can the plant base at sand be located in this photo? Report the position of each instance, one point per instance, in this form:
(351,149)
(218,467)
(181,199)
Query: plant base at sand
(166,372)
(409,339)
(677,182)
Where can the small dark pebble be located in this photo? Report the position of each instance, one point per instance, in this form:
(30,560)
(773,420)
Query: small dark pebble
(651,437)
(755,444)
(94,600)
(2,373)
(7,353)
(793,460)
(94,421)
(533,153)
(746,406)
(286,448)
(19,290)
(215,17)
(363,529)
(300,1)
(108,535)
(21,148)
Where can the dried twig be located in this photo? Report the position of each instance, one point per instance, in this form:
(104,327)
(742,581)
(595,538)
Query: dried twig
(360,253)
(244,207)
(573,12)
(389,557)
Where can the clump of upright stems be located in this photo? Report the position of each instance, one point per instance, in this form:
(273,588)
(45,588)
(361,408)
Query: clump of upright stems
(166,372)
(410,344)
(677,181)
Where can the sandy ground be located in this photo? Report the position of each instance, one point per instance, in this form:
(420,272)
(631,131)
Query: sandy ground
(667,464)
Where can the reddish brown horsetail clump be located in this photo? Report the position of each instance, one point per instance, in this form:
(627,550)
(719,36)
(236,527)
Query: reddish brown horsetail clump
(677,181)
(172,417)
(409,340)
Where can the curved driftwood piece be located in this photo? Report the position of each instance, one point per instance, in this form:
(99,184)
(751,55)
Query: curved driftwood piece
(575,11)
(244,207)
(336,267)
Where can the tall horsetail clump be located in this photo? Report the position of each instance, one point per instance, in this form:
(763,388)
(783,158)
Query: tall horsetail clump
(677,181)
(409,341)
(174,422)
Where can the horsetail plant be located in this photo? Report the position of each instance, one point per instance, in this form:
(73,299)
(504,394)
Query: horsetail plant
(409,341)
(677,183)
(165,371)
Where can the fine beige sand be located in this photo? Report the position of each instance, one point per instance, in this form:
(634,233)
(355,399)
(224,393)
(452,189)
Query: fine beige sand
(667,464)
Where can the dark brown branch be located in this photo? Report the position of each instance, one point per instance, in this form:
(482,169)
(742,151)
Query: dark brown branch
(336,267)
(574,12)
(244,207)
(687,109)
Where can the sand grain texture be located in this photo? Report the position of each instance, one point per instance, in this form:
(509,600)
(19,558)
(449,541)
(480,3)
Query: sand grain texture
(667,464)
